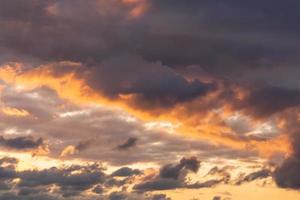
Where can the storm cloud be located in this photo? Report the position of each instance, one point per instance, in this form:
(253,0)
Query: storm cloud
(135,84)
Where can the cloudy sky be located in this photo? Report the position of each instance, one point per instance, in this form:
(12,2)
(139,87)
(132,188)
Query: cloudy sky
(149,100)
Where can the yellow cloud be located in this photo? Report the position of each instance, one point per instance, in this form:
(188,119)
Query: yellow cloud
(69,150)
(15,112)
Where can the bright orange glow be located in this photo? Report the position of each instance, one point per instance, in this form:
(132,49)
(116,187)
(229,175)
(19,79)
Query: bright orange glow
(69,150)
(15,112)
(207,125)
(139,7)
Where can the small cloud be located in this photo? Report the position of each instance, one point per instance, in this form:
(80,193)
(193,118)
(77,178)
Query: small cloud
(16,112)
(130,142)
(126,171)
(21,143)
(71,150)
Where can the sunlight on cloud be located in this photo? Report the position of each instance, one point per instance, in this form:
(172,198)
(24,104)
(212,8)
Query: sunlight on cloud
(15,112)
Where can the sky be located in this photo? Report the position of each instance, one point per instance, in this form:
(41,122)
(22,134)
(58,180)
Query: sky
(149,100)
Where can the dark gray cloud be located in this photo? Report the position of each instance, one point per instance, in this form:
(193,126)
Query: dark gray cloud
(262,174)
(126,171)
(117,196)
(160,197)
(71,183)
(129,143)
(286,175)
(159,184)
(125,56)
(171,184)
(205,184)
(263,102)
(232,33)
(8,160)
(173,171)
(148,58)
(132,196)
(7,173)
(83,145)
(89,176)
(13,196)
(174,177)
(220,171)
(227,38)
(221,36)
(34,184)
(153,84)
(21,143)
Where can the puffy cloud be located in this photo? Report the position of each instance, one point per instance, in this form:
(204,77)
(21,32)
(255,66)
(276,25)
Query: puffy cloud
(32,184)
(193,65)
(87,177)
(173,171)
(126,171)
(286,175)
(66,182)
(174,177)
(263,102)
(151,84)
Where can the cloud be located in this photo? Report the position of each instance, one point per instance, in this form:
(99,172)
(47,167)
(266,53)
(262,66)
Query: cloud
(126,171)
(286,175)
(149,84)
(173,171)
(174,177)
(7,173)
(204,39)
(129,143)
(71,150)
(86,181)
(184,112)
(159,184)
(132,196)
(83,145)
(206,184)
(117,196)
(156,77)
(64,125)
(262,174)
(258,102)
(8,160)
(20,143)
(160,197)
(71,181)
(89,176)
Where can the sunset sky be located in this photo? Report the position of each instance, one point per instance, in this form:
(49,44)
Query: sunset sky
(149,100)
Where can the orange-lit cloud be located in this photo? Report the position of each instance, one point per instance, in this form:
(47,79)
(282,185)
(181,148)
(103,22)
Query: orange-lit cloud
(69,150)
(15,112)
(139,7)
(208,125)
